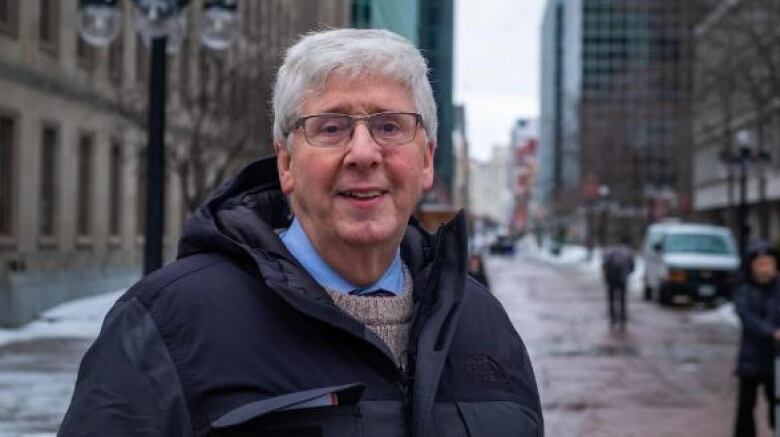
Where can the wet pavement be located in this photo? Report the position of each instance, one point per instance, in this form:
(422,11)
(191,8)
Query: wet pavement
(669,374)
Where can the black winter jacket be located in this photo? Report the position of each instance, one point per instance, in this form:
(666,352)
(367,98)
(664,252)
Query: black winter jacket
(758,307)
(234,338)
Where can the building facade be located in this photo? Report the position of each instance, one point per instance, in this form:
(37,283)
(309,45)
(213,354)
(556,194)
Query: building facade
(523,170)
(490,198)
(72,144)
(622,104)
(550,182)
(737,104)
(460,153)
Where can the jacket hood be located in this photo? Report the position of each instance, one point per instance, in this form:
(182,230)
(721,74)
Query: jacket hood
(243,213)
(755,249)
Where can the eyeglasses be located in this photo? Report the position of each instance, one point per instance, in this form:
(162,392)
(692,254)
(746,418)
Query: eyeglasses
(334,130)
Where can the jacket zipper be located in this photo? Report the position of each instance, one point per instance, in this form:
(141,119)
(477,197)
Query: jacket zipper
(406,386)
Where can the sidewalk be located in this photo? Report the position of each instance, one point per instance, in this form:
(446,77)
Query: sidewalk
(38,365)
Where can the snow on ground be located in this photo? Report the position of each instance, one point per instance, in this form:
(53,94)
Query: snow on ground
(577,256)
(38,364)
(80,318)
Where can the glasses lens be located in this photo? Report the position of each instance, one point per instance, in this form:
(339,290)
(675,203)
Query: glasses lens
(393,129)
(327,130)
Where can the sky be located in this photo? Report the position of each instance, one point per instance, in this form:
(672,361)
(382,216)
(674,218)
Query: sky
(496,67)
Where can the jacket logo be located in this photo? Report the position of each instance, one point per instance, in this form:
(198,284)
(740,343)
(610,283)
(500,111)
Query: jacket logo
(483,368)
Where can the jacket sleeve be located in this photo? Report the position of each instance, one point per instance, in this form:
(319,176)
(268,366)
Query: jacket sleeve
(127,383)
(748,312)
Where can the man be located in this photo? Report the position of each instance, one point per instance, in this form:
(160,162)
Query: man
(617,265)
(757,302)
(344,319)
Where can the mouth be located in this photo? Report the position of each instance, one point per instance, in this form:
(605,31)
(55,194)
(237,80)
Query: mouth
(363,195)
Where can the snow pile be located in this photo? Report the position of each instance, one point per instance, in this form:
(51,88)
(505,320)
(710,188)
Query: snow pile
(724,313)
(80,318)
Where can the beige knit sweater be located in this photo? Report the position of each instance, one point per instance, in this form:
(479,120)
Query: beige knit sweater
(390,317)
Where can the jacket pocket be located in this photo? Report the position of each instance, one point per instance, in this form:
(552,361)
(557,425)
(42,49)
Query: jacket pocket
(500,419)
(320,412)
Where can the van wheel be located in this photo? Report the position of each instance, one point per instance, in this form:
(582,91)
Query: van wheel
(648,295)
(664,297)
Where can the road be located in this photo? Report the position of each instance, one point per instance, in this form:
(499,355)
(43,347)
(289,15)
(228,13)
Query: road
(669,374)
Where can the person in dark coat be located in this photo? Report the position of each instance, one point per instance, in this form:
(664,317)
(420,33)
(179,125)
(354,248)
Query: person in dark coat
(617,265)
(757,302)
(305,299)
(477,270)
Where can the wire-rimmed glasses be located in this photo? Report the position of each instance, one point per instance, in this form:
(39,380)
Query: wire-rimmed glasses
(335,130)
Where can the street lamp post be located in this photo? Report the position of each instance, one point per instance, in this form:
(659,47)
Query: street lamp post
(161,25)
(741,160)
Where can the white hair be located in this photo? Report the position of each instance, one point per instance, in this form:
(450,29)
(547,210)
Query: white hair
(352,52)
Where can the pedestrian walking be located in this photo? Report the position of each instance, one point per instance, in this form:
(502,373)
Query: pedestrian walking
(757,302)
(305,299)
(617,265)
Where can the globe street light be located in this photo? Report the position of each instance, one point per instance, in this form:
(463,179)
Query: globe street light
(161,26)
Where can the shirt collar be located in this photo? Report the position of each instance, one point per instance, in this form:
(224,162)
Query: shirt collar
(300,247)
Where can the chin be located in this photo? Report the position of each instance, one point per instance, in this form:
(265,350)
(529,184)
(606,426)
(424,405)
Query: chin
(368,233)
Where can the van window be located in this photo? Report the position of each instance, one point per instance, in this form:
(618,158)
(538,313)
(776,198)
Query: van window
(698,243)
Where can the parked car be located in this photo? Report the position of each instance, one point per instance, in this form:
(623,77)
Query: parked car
(504,245)
(694,261)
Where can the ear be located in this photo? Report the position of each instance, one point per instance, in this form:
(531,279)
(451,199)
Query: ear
(283,166)
(428,154)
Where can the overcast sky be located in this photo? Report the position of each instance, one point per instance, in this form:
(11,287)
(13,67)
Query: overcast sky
(496,67)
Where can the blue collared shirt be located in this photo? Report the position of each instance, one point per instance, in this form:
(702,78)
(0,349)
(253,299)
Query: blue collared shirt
(300,247)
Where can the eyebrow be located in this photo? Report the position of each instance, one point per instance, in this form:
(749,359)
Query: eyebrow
(348,109)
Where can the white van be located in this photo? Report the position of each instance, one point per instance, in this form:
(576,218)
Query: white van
(691,261)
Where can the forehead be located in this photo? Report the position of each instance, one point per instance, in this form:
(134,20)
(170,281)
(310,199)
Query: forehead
(365,93)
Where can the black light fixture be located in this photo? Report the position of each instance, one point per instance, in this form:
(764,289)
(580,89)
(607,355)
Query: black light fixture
(741,160)
(162,27)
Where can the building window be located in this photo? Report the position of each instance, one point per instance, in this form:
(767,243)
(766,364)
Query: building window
(49,182)
(115,198)
(185,67)
(9,17)
(141,61)
(49,25)
(85,182)
(115,54)
(7,135)
(85,54)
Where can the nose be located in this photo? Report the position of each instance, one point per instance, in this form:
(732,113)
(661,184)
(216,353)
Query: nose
(362,151)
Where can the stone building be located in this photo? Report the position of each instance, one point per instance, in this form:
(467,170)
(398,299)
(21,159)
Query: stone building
(616,105)
(737,90)
(72,141)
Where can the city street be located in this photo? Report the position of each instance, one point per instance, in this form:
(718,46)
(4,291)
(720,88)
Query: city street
(669,374)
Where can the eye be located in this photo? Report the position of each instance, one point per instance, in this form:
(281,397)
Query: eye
(387,125)
(329,126)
